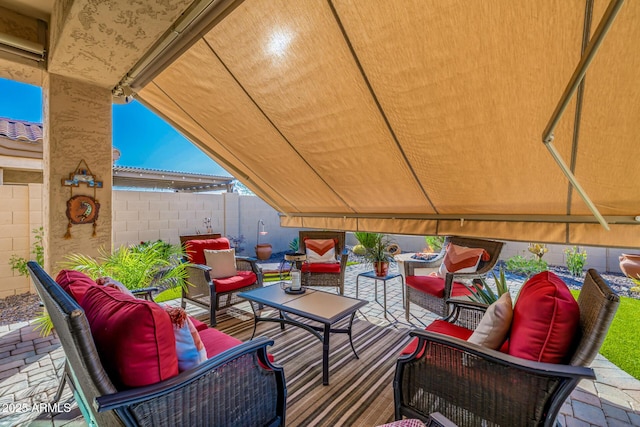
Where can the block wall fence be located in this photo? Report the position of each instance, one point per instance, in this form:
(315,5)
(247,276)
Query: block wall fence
(142,215)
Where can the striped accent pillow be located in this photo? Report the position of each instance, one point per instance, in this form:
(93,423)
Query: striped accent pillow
(460,259)
(320,250)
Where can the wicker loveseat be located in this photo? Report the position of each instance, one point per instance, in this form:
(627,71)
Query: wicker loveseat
(235,386)
(473,385)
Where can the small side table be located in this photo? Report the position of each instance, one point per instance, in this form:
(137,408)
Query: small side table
(384,279)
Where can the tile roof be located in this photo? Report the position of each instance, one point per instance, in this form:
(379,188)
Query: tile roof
(20,130)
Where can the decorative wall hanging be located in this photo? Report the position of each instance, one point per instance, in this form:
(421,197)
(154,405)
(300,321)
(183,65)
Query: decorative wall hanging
(82,209)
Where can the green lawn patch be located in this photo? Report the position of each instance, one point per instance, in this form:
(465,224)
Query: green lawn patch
(168,295)
(621,343)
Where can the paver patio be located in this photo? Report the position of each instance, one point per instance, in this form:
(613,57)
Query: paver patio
(28,366)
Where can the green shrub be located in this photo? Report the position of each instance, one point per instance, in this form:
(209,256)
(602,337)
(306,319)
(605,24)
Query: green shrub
(527,266)
(19,264)
(434,242)
(575,260)
(294,245)
(148,264)
(368,240)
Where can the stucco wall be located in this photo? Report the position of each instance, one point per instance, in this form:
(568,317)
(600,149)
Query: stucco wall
(20,213)
(142,215)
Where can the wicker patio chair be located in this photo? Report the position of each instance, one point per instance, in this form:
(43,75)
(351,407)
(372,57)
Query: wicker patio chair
(472,385)
(203,290)
(237,387)
(438,304)
(325,278)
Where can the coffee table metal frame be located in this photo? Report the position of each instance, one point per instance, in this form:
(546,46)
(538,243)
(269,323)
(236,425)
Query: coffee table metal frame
(318,306)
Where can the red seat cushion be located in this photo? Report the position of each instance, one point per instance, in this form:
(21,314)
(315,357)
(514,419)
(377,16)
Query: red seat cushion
(200,326)
(244,278)
(546,318)
(321,267)
(195,248)
(216,342)
(441,327)
(434,285)
(134,337)
(75,283)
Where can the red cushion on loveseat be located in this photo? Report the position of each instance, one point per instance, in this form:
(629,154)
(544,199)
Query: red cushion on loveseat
(195,248)
(134,337)
(434,285)
(200,326)
(216,342)
(244,278)
(321,267)
(75,283)
(441,327)
(546,318)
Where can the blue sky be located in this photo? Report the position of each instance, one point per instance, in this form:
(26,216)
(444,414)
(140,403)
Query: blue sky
(143,138)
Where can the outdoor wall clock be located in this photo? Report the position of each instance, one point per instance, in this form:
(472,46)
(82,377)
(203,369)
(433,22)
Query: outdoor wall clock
(82,209)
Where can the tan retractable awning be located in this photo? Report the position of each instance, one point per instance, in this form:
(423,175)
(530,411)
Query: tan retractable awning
(419,117)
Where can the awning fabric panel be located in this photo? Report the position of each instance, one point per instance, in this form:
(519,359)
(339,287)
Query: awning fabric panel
(413,117)
(468,86)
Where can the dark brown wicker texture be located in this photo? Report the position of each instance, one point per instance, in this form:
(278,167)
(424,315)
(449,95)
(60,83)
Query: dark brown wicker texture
(326,279)
(229,389)
(472,385)
(439,305)
(203,292)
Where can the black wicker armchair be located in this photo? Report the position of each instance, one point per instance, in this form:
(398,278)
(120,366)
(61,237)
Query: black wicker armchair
(211,294)
(238,387)
(321,277)
(438,303)
(472,385)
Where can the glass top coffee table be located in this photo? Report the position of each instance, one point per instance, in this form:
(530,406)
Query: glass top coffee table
(318,306)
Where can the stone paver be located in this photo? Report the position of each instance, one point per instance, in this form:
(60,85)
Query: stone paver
(28,373)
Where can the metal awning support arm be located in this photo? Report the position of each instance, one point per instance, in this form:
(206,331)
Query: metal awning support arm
(579,73)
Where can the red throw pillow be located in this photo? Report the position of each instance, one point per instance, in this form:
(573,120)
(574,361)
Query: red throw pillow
(195,248)
(75,283)
(134,337)
(546,318)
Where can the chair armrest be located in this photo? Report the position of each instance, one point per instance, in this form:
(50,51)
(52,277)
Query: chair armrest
(452,374)
(234,378)
(465,313)
(248,264)
(145,293)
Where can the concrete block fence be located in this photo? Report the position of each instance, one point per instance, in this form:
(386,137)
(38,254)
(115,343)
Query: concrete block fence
(143,215)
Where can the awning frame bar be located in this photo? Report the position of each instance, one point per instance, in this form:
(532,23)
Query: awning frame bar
(561,219)
(577,77)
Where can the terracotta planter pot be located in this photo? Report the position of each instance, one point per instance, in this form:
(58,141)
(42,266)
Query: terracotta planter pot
(381,268)
(630,265)
(263,251)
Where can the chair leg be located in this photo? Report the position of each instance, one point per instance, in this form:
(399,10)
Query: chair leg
(212,315)
(406,308)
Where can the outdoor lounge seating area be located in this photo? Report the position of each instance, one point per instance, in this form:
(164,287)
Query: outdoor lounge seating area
(488,123)
(482,371)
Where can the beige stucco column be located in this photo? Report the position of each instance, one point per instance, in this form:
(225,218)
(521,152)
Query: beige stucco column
(77,126)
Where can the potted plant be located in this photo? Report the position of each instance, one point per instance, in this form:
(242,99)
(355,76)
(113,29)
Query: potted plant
(379,255)
(263,250)
(365,240)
